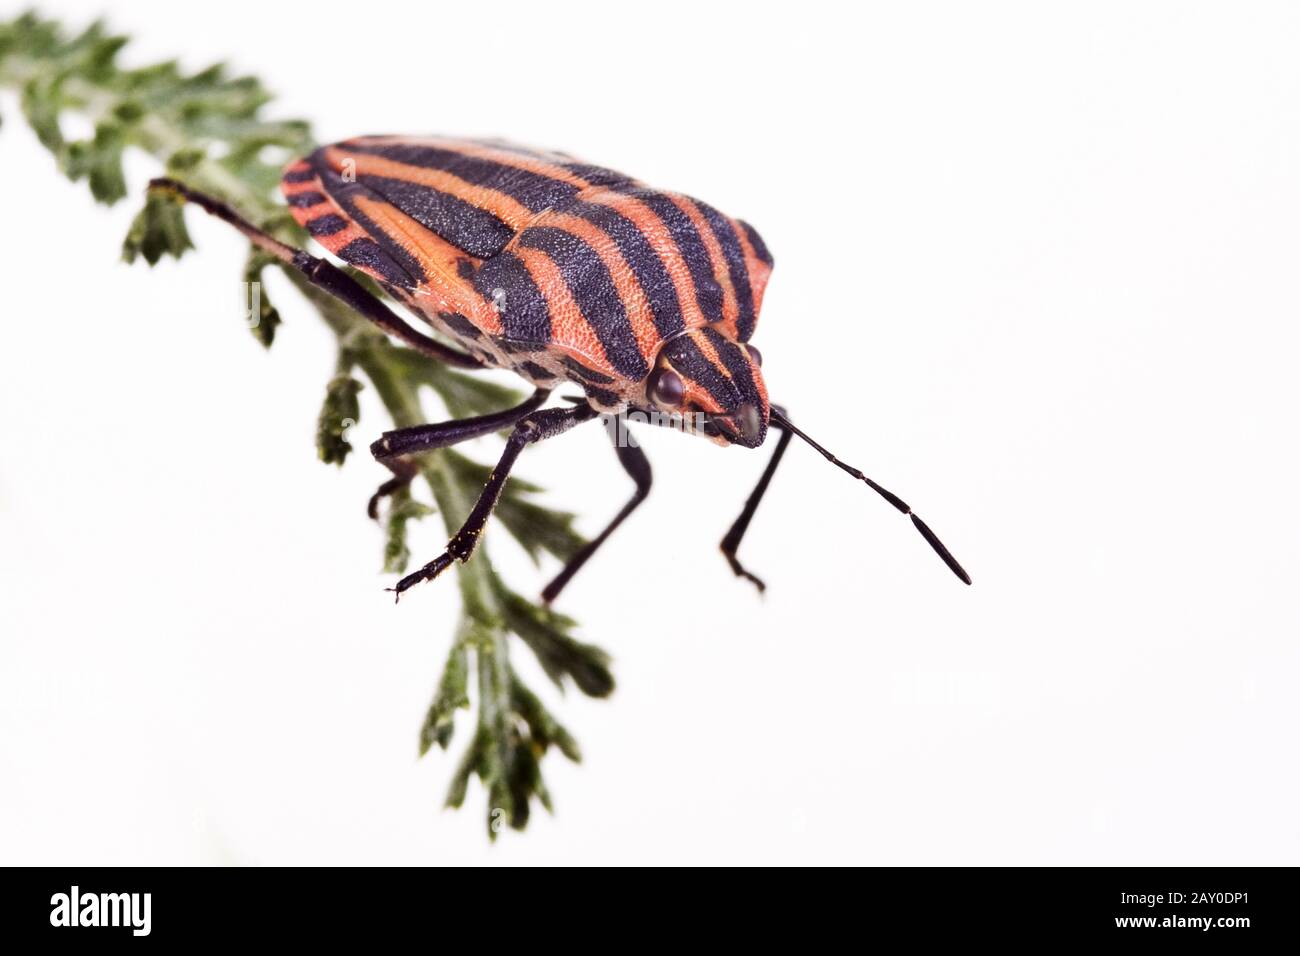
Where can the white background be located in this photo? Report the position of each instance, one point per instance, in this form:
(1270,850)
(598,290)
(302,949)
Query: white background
(1036,271)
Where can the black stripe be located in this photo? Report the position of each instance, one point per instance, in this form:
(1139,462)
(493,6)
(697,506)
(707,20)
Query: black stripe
(643,260)
(379,251)
(326,225)
(755,240)
(304,199)
(461,325)
(737,363)
(687,358)
(406,270)
(299,175)
(598,175)
(533,190)
(465,226)
(602,396)
(592,287)
(517,348)
(366,253)
(585,374)
(708,293)
(524,314)
(536,371)
(735,257)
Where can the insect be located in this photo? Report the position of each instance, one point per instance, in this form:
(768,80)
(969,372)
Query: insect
(562,272)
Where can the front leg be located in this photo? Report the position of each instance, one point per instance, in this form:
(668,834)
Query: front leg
(738,528)
(538,427)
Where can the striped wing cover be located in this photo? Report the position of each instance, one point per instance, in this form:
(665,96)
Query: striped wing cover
(531,259)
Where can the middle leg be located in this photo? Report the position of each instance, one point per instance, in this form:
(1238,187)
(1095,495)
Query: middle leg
(731,541)
(394,448)
(534,428)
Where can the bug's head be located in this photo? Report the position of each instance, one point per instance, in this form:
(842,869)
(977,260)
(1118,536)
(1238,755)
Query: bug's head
(709,378)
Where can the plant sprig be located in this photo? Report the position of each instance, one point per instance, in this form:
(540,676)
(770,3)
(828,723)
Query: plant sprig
(207,129)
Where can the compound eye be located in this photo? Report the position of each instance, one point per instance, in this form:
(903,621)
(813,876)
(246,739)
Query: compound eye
(749,421)
(755,355)
(666,388)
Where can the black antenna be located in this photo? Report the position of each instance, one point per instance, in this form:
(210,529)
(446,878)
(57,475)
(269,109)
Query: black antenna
(783,422)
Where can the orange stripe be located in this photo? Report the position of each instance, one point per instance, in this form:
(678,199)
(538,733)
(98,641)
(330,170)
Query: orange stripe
(302,216)
(759,271)
(437,258)
(568,324)
(335,242)
(696,394)
(511,212)
(709,352)
(289,190)
(659,237)
(640,314)
(730,310)
(292,189)
(504,157)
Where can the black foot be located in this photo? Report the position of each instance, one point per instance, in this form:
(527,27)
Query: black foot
(388,488)
(740,572)
(427,573)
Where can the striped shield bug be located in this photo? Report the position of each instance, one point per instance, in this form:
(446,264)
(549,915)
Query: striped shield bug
(562,272)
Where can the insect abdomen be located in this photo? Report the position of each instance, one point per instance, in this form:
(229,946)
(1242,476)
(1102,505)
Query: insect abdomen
(561,265)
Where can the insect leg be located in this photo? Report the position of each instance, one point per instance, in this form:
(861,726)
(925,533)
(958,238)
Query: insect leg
(637,465)
(534,428)
(324,275)
(394,448)
(732,539)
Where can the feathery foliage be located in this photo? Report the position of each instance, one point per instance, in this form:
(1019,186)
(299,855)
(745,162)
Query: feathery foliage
(207,129)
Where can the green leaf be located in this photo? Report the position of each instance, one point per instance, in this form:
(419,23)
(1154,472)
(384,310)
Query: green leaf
(544,728)
(470,764)
(538,528)
(184,160)
(546,632)
(29,34)
(128,112)
(339,412)
(524,782)
(41,103)
(99,160)
(268,318)
(453,695)
(91,54)
(403,510)
(464,394)
(158,230)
